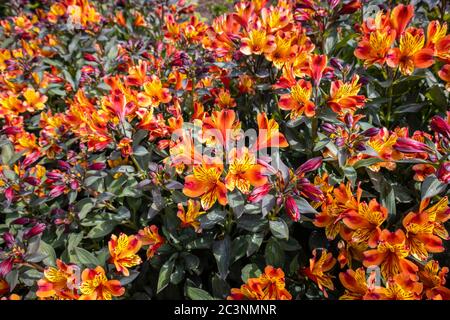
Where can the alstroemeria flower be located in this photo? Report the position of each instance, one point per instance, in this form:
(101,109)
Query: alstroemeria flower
(298,100)
(189,218)
(318,268)
(268,286)
(244,171)
(419,235)
(59,283)
(123,251)
(401,15)
(154,93)
(366,222)
(391,254)
(96,286)
(374,50)
(411,53)
(257,42)
(269,134)
(205,183)
(357,287)
(344,96)
(150,237)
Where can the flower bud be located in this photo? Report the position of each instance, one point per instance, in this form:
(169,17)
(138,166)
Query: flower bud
(408,145)
(443,172)
(292,208)
(37,229)
(310,165)
(371,132)
(441,126)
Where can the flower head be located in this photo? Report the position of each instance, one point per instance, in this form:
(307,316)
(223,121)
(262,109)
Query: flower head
(123,251)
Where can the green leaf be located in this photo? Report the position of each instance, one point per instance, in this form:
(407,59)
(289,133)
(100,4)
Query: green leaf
(274,253)
(367,162)
(254,243)
(49,252)
(165,272)
(431,187)
(84,206)
(236,202)
(86,258)
(279,228)
(197,294)
(7,153)
(102,229)
(221,250)
(251,270)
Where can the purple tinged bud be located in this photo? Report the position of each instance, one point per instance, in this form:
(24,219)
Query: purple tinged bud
(97,166)
(63,165)
(328,127)
(441,126)
(348,119)
(310,165)
(336,63)
(340,142)
(9,239)
(371,132)
(37,229)
(21,221)
(408,145)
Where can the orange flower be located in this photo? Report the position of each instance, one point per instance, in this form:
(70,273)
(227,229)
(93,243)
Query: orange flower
(268,286)
(375,48)
(224,99)
(411,53)
(422,170)
(34,100)
(125,147)
(444,74)
(395,291)
(419,235)
(220,127)
(317,270)
(257,42)
(401,15)
(298,100)
(433,279)
(391,254)
(59,282)
(149,236)
(205,183)
(244,172)
(344,96)
(190,217)
(96,286)
(268,134)
(154,93)
(366,222)
(339,203)
(357,286)
(438,214)
(123,252)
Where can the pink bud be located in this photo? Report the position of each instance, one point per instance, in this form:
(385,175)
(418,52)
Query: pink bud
(441,126)
(9,239)
(56,191)
(408,145)
(32,180)
(443,172)
(292,208)
(5,267)
(310,165)
(31,158)
(37,229)
(9,194)
(97,166)
(259,193)
(21,221)
(63,165)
